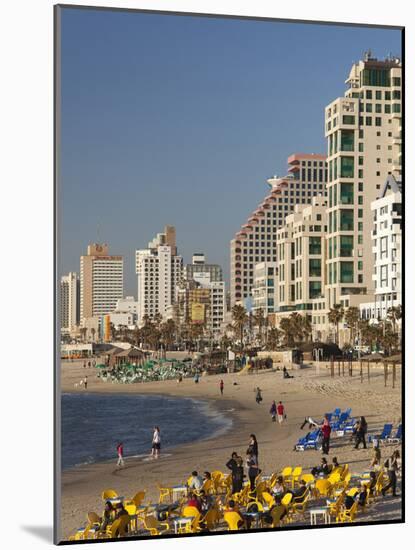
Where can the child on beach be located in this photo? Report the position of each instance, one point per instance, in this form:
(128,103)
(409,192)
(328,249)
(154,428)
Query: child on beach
(156,443)
(221,384)
(120,453)
(273,411)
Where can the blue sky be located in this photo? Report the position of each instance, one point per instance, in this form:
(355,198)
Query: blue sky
(180,120)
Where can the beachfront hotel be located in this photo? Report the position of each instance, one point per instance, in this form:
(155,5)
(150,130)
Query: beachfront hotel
(256,242)
(386,247)
(301,255)
(69,301)
(159,271)
(363,131)
(101,281)
(265,287)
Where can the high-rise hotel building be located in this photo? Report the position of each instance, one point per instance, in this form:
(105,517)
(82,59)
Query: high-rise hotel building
(301,257)
(363,130)
(159,270)
(256,241)
(69,300)
(102,281)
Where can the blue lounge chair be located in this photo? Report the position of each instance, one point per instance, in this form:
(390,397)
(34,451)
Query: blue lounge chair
(336,412)
(397,438)
(300,445)
(383,437)
(314,440)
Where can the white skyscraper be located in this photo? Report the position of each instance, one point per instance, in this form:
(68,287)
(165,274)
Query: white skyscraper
(70,300)
(159,270)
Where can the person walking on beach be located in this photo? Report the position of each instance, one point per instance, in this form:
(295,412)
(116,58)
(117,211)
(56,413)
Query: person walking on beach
(156,444)
(235,464)
(273,411)
(361,431)
(120,453)
(280,412)
(258,397)
(86,382)
(326,431)
(221,384)
(392,466)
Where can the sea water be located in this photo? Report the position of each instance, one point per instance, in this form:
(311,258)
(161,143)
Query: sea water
(93,424)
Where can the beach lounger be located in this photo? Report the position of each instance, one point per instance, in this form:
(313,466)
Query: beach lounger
(384,436)
(314,440)
(300,445)
(336,412)
(397,438)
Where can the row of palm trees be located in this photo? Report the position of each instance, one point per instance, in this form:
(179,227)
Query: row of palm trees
(383,334)
(294,328)
(248,330)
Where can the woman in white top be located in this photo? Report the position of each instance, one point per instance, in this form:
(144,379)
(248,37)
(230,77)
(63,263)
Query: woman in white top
(155,448)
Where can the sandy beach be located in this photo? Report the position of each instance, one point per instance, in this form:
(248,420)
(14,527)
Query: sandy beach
(309,393)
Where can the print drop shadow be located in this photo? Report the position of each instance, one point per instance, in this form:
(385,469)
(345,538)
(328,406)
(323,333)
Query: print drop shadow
(42,532)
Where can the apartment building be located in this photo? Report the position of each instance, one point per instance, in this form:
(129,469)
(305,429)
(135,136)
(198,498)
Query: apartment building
(301,261)
(159,270)
(255,242)
(101,281)
(69,301)
(199,266)
(387,250)
(363,131)
(265,287)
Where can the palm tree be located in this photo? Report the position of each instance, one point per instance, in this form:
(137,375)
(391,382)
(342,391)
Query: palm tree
(240,319)
(93,331)
(286,327)
(335,315)
(259,321)
(168,332)
(389,338)
(307,327)
(83,332)
(352,317)
(274,337)
(297,326)
(394,315)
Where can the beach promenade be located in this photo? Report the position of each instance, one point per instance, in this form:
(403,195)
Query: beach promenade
(308,394)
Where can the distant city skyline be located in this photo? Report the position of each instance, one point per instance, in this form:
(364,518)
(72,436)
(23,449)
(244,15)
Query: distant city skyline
(175,120)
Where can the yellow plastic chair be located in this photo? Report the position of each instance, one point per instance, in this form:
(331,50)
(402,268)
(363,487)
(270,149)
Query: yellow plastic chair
(154,526)
(190,511)
(345,481)
(268,499)
(165,493)
(286,499)
(334,508)
(323,487)
(108,494)
(287,472)
(352,492)
(233,520)
(308,478)
(260,488)
(334,478)
(345,471)
(295,476)
(131,509)
(117,529)
(210,519)
(300,507)
(348,516)
(137,499)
